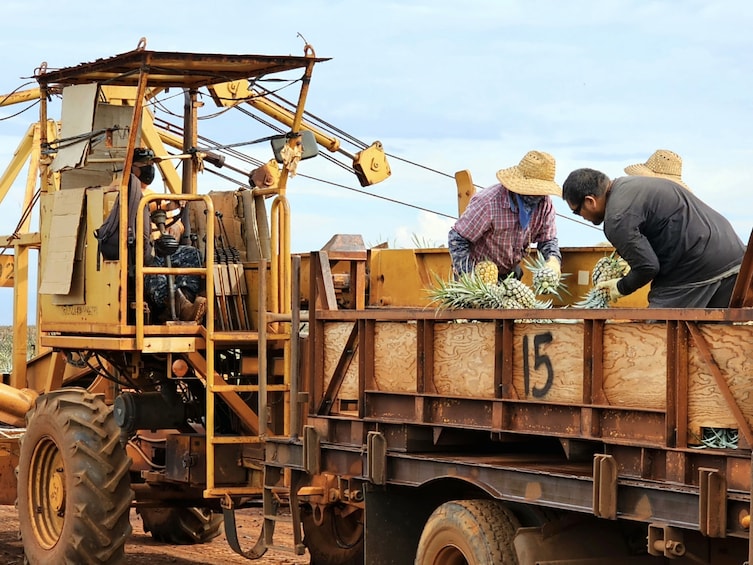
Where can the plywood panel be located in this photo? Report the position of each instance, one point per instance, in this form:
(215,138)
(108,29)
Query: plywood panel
(635,365)
(464,359)
(395,357)
(732,350)
(548,362)
(335,337)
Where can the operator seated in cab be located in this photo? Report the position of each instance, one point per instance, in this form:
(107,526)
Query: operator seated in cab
(161,246)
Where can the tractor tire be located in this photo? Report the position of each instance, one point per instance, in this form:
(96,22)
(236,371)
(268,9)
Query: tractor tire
(335,539)
(74,493)
(181,526)
(474,532)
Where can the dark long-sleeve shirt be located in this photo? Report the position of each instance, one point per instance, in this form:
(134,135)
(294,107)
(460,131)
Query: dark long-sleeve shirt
(668,236)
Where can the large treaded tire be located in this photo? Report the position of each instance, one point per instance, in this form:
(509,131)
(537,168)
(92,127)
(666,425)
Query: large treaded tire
(181,526)
(476,532)
(336,540)
(74,492)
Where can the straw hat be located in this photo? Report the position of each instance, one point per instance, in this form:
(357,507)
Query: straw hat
(534,175)
(663,163)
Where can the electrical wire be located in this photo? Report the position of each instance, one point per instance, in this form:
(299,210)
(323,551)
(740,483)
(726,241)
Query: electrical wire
(7,97)
(328,128)
(139,437)
(29,107)
(148,459)
(26,213)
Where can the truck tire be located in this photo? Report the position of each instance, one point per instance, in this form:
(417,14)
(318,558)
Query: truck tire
(333,540)
(474,532)
(181,526)
(74,493)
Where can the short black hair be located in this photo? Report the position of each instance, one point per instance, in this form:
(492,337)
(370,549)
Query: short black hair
(584,182)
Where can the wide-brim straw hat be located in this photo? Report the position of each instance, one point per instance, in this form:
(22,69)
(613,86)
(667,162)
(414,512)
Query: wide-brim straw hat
(534,176)
(663,163)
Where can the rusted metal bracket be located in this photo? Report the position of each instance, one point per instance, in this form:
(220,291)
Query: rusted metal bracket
(231,533)
(742,294)
(376,458)
(712,503)
(311,450)
(665,541)
(605,487)
(323,289)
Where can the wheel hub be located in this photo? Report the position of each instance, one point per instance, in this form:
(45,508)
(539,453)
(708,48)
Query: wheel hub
(57,490)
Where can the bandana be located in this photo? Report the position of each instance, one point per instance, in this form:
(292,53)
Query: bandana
(526,204)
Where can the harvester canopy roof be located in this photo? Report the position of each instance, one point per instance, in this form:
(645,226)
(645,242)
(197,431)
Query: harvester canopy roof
(171,69)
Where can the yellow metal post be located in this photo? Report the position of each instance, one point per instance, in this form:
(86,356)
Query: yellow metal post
(466,189)
(20,156)
(20,315)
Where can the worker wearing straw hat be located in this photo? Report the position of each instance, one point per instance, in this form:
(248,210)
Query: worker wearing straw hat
(662,163)
(502,221)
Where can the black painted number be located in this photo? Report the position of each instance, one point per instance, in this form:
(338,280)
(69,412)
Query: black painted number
(539,359)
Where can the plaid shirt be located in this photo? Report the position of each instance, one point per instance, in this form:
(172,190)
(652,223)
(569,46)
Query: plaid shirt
(493,230)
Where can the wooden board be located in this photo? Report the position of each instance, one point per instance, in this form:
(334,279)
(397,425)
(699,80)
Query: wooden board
(635,365)
(395,353)
(464,359)
(551,369)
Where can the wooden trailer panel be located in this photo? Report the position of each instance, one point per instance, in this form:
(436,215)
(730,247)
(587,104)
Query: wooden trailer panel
(620,368)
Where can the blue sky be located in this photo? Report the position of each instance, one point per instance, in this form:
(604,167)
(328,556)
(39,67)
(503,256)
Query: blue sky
(450,86)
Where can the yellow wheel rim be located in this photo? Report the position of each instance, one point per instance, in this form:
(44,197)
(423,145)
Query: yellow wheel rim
(47,493)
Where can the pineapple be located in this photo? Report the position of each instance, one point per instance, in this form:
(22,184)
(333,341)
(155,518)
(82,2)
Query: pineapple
(456,293)
(609,267)
(487,271)
(470,290)
(594,298)
(519,292)
(545,280)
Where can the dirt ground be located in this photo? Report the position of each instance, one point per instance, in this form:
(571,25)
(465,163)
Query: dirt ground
(141,549)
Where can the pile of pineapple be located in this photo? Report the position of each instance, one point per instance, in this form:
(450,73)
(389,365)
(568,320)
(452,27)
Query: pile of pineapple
(480,289)
(608,267)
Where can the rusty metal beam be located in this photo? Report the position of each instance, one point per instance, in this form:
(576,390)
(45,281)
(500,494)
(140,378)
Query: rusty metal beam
(742,294)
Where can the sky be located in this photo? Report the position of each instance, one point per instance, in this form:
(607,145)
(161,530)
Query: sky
(445,86)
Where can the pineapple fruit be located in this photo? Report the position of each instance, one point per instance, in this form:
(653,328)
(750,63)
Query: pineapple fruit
(608,267)
(545,280)
(487,271)
(473,290)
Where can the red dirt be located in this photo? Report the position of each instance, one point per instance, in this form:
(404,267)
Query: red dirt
(141,549)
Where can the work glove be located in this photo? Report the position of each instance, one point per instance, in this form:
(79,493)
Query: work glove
(611,286)
(554,264)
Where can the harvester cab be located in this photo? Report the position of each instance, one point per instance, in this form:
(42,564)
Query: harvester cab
(167,324)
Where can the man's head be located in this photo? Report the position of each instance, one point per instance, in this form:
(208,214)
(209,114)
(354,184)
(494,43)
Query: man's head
(143,164)
(585,191)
